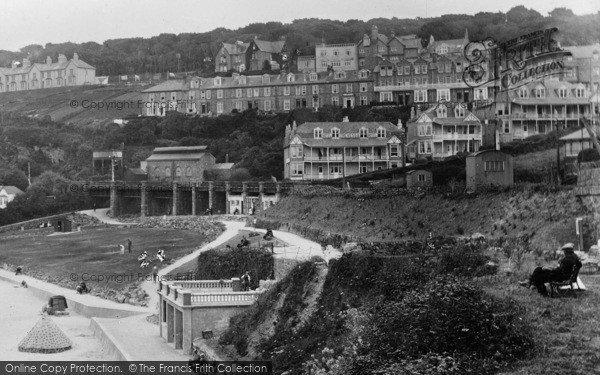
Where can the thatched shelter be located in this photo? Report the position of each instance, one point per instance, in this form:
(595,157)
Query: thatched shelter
(45,337)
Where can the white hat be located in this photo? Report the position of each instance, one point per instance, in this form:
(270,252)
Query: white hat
(568,246)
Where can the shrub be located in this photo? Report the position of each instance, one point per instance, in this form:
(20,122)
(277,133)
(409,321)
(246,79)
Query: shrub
(464,259)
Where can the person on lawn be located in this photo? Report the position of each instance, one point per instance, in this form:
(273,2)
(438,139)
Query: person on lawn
(541,276)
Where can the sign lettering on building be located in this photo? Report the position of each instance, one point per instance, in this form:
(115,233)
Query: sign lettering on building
(514,63)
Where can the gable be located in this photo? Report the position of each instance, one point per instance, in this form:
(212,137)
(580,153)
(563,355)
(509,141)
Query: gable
(296,140)
(394,139)
(471,117)
(424,118)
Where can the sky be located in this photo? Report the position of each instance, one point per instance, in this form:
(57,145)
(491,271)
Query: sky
(42,21)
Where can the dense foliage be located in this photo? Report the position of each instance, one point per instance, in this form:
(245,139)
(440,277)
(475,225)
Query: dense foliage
(407,314)
(229,263)
(196,51)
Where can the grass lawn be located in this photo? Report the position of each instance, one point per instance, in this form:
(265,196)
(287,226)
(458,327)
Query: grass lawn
(94,253)
(567,333)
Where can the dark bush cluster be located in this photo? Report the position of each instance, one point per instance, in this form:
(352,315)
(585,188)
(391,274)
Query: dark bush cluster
(228,263)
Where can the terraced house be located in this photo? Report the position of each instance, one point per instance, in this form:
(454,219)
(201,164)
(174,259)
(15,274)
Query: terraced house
(28,76)
(268,92)
(327,150)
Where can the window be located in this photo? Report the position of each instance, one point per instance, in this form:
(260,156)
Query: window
(267,105)
(256,91)
(385,96)
(364,100)
(363,87)
(291,78)
(443,94)
(266,79)
(424,130)
(347,63)
(417,69)
(506,127)
(420,95)
(562,92)
(297,169)
(540,92)
(238,105)
(335,89)
(361,50)
(267,91)
(348,87)
(407,70)
(523,93)
(219,94)
(363,74)
(315,89)
(579,92)
(286,105)
(208,95)
(249,93)
(363,132)
(494,166)
(441,111)
(421,177)
(238,93)
(178,172)
(424,69)
(335,133)
(219,107)
(313,76)
(381,133)
(459,111)
(318,133)
(335,169)
(217,81)
(394,150)
(335,100)
(303,89)
(168,172)
(286,90)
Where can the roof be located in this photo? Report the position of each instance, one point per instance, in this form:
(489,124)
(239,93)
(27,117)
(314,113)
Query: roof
(176,156)
(178,149)
(486,151)
(583,52)
(13,190)
(223,166)
(576,135)
(170,85)
(236,48)
(272,47)
(345,127)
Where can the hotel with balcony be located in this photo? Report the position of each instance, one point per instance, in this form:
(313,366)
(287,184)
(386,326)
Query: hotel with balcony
(541,107)
(443,131)
(327,150)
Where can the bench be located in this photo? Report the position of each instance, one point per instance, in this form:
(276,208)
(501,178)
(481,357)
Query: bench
(558,287)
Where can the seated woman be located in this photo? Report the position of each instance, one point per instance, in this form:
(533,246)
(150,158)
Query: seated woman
(540,275)
(82,288)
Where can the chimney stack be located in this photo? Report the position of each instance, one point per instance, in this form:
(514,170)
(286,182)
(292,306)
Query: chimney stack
(374,33)
(48,60)
(76,56)
(345,119)
(62,58)
(15,64)
(26,63)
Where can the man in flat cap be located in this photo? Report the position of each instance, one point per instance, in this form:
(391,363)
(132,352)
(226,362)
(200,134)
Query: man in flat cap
(540,275)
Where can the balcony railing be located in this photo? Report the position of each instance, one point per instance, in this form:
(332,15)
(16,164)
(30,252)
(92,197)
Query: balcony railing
(348,158)
(456,137)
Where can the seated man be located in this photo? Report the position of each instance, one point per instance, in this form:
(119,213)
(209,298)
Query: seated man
(82,288)
(540,275)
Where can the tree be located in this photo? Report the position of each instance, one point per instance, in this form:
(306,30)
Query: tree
(561,13)
(14,177)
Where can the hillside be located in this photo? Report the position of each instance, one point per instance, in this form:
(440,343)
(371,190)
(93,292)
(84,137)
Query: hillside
(543,214)
(66,104)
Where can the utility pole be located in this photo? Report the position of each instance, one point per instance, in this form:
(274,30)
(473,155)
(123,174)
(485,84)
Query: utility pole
(112,167)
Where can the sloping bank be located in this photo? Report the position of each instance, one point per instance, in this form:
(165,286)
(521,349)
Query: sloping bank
(410,314)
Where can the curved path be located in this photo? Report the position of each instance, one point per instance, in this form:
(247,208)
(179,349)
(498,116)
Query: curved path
(101,214)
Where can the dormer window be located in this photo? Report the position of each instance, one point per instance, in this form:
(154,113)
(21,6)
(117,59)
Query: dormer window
(243,80)
(318,133)
(459,111)
(441,111)
(335,133)
(266,79)
(417,69)
(424,69)
(381,133)
(313,76)
(540,92)
(363,132)
(339,75)
(580,92)
(291,78)
(217,81)
(562,92)
(194,84)
(523,93)
(363,74)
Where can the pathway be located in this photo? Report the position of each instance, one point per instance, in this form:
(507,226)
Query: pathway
(100,214)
